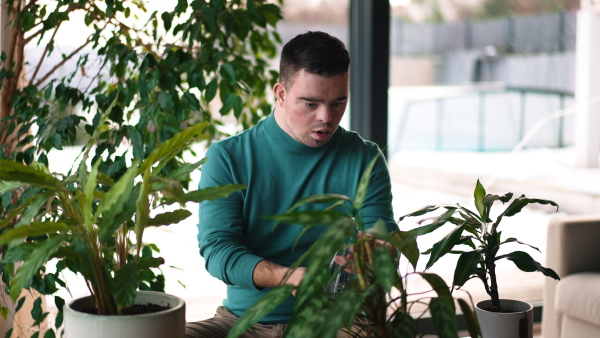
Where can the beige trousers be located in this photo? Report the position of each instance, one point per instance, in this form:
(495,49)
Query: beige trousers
(219,325)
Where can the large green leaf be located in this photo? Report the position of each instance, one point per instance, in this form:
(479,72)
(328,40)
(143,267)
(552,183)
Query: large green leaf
(410,250)
(37,228)
(313,217)
(113,204)
(13,171)
(320,199)
(259,309)
(125,283)
(384,268)
(526,263)
(479,195)
(363,184)
(437,283)
(212,193)
(172,147)
(519,203)
(444,317)
(445,245)
(113,200)
(466,266)
(170,217)
(33,262)
(470,319)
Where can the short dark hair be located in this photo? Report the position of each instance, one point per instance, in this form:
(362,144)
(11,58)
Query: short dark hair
(316,52)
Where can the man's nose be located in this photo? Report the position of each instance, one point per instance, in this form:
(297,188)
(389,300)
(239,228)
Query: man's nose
(325,114)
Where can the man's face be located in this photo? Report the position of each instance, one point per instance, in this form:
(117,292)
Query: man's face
(311,107)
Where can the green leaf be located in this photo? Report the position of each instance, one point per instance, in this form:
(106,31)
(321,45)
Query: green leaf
(172,147)
(445,245)
(212,193)
(142,209)
(512,239)
(13,171)
(228,72)
(6,186)
(171,217)
(410,250)
(191,101)
(37,312)
(466,266)
(526,263)
(260,308)
(470,318)
(211,90)
(37,228)
(518,204)
(33,262)
(444,317)
(384,268)
(438,284)
(312,217)
(363,184)
(479,195)
(113,203)
(4,312)
(151,262)
(125,283)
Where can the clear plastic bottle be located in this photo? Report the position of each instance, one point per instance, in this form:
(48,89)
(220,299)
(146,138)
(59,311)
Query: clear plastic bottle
(338,276)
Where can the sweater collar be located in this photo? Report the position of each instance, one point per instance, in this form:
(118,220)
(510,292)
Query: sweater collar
(290,144)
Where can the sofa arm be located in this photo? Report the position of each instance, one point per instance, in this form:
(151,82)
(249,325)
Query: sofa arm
(573,245)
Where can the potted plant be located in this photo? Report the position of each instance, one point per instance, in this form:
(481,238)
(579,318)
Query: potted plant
(478,240)
(379,292)
(94,226)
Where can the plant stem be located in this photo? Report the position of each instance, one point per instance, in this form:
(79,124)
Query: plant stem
(491,266)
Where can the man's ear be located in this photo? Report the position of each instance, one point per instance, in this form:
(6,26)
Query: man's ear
(279,91)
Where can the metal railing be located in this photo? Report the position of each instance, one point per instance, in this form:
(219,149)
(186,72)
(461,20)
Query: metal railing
(484,120)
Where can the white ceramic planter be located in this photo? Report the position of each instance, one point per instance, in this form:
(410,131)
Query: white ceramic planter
(506,325)
(168,323)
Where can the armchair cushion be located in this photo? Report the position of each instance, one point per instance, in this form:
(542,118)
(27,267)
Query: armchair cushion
(578,296)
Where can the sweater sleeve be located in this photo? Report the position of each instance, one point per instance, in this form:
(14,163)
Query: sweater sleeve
(378,202)
(221,226)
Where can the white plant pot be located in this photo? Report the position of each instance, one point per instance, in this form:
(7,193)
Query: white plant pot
(168,323)
(504,324)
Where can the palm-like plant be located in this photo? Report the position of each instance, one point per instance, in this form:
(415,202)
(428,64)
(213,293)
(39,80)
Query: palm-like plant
(94,225)
(379,290)
(478,240)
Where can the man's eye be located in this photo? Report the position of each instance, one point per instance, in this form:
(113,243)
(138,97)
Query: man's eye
(310,104)
(338,104)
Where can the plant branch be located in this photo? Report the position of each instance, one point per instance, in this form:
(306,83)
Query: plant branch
(39,65)
(60,64)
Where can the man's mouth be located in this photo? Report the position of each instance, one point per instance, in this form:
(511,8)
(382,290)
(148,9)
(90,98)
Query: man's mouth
(321,134)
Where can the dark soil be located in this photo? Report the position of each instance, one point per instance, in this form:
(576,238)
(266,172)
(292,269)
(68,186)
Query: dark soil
(135,309)
(501,309)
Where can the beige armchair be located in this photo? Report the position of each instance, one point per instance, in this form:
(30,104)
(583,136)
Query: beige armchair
(572,305)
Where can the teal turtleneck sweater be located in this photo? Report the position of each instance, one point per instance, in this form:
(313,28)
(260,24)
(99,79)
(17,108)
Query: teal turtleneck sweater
(277,171)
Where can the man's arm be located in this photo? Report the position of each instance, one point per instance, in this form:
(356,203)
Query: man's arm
(268,274)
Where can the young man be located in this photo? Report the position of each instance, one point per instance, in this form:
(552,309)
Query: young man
(297,151)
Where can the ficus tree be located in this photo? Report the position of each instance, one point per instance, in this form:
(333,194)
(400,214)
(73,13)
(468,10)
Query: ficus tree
(156,71)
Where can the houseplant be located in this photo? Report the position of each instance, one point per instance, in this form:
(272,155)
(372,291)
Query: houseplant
(379,292)
(94,225)
(478,240)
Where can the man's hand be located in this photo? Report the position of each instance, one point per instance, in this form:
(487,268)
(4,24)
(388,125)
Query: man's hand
(348,260)
(268,274)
